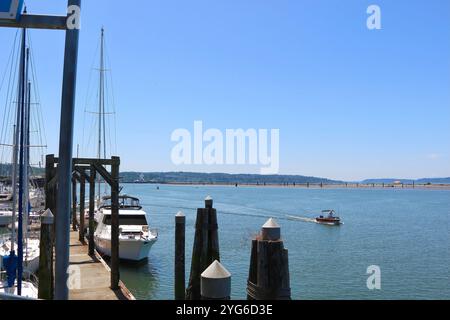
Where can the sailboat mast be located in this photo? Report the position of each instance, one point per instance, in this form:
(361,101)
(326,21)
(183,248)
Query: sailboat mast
(101,106)
(26,144)
(15,155)
(22,88)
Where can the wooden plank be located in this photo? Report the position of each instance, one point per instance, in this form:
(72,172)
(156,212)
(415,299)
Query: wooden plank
(94,275)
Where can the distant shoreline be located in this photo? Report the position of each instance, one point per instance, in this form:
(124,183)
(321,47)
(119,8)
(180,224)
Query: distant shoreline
(306,186)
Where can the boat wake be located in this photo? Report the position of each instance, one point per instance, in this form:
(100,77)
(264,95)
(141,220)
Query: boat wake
(304,219)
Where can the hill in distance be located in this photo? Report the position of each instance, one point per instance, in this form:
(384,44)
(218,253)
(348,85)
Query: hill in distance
(219,178)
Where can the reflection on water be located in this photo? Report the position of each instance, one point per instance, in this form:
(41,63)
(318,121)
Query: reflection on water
(142,277)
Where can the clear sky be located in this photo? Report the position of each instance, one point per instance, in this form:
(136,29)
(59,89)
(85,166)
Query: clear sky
(350,103)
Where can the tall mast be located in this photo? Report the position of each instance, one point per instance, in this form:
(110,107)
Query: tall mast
(26,142)
(101,107)
(15,156)
(22,88)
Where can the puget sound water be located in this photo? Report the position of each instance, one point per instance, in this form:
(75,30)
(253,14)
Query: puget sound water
(404,232)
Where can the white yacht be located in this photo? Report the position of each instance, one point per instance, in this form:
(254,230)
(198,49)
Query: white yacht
(135,236)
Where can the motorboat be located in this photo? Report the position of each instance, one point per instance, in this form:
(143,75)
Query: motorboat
(328,217)
(135,236)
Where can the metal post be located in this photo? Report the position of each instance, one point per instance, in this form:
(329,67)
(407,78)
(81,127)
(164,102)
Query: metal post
(21,159)
(115,275)
(65,160)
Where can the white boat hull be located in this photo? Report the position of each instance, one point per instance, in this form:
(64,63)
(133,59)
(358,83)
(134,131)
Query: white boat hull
(29,290)
(129,249)
(30,254)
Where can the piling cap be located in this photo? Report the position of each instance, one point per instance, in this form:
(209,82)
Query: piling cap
(180,214)
(271,230)
(208,202)
(216,271)
(215,282)
(47,217)
(180,217)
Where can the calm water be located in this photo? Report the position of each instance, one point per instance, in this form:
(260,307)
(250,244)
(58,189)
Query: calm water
(404,232)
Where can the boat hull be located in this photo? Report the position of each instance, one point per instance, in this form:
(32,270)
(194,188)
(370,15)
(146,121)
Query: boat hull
(331,222)
(29,290)
(129,249)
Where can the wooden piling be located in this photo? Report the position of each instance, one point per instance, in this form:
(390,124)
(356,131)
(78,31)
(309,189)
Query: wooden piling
(45,288)
(82,199)
(50,183)
(206,247)
(115,274)
(180,227)
(91,210)
(269,266)
(74,204)
(215,283)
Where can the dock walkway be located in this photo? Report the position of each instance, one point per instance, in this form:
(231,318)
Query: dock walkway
(90,276)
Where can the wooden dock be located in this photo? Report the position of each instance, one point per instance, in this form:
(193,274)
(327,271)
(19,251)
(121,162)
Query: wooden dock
(91,276)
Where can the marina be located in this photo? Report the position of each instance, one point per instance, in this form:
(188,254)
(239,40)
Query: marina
(81,220)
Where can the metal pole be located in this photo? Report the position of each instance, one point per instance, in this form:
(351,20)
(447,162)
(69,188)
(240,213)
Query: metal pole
(26,152)
(21,149)
(100,111)
(62,221)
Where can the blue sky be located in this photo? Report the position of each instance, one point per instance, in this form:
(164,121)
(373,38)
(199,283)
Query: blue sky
(350,103)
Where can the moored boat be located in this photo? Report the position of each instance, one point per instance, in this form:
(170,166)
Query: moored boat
(135,236)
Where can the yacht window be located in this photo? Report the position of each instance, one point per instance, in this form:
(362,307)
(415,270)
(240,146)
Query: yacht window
(124,202)
(128,220)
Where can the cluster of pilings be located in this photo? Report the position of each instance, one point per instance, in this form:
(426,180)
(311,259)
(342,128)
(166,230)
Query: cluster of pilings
(268,277)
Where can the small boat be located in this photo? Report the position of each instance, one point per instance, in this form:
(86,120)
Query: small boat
(328,218)
(135,236)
